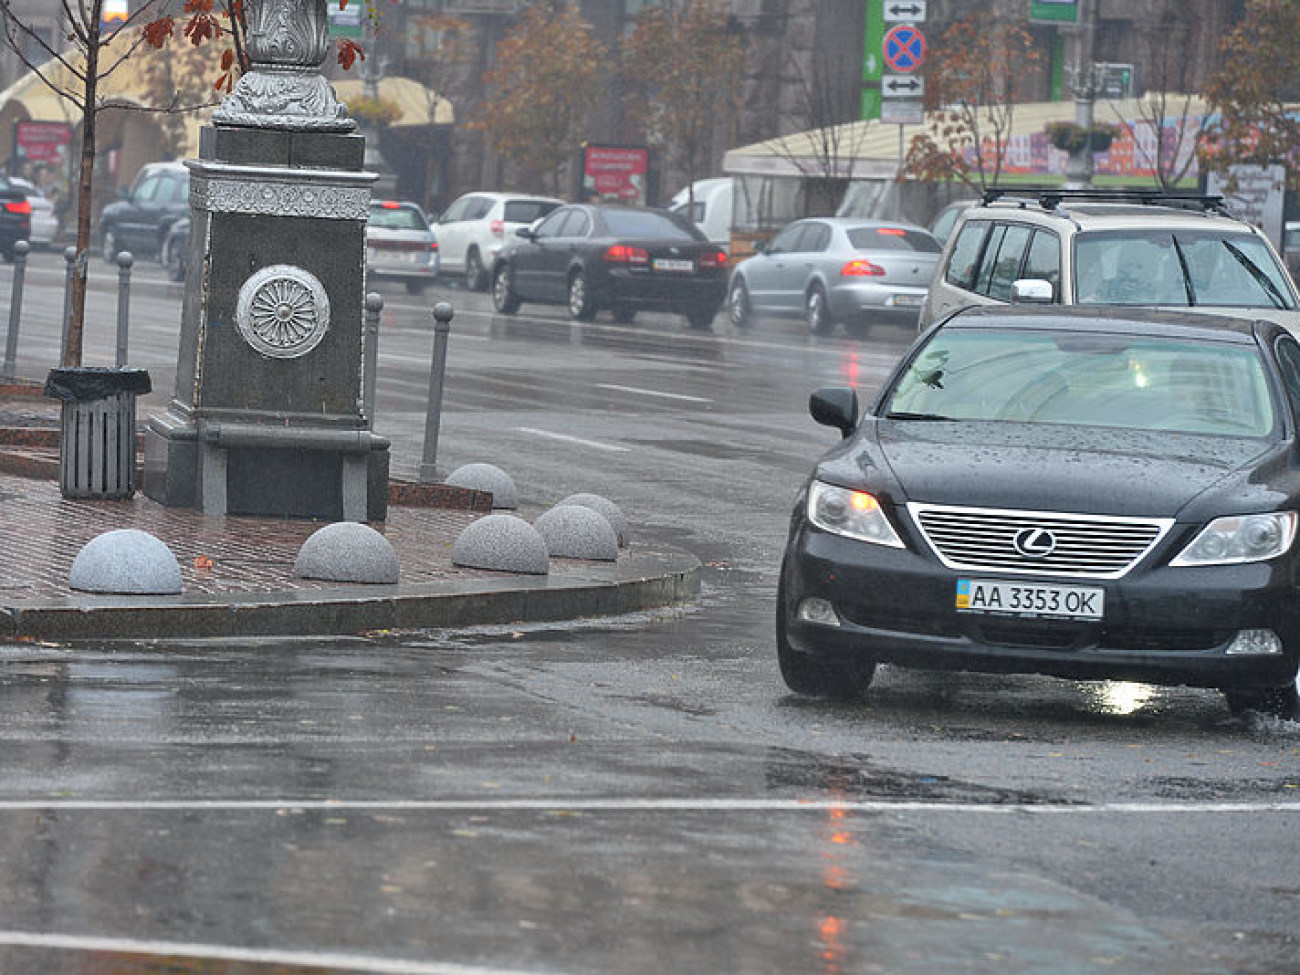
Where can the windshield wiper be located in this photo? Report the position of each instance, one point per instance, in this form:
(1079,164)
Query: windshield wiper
(1260,277)
(904,415)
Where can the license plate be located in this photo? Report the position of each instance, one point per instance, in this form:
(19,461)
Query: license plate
(909,301)
(663,264)
(1007,598)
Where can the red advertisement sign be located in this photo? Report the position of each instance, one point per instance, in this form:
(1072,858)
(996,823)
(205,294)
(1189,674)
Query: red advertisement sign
(615,173)
(43,154)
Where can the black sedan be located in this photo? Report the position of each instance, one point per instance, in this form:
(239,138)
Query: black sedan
(608,256)
(15,217)
(1079,493)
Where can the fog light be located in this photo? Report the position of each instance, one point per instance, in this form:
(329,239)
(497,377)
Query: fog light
(1255,643)
(816,610)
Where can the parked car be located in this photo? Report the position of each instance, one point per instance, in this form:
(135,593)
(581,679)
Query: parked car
(15,217)
(837,270)
(1111,247)
(176,249)
(711,208)
(474,229)
(45,225)
(140,220)
(594,256)
(1086,493)
(401,245)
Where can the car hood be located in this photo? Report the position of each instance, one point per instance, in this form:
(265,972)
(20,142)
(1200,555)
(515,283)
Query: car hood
(1053,468)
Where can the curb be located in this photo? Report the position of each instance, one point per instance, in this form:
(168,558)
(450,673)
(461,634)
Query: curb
(642,579)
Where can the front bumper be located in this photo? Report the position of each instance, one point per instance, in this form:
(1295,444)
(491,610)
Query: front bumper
(1162,626)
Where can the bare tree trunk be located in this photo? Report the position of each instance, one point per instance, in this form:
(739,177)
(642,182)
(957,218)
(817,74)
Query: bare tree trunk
(77,316)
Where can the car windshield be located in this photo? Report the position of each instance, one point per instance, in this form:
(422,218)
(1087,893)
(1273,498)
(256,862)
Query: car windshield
(646,223)
(892,239)
(1178,268)
(527,211)
(1090,379)
(396,218)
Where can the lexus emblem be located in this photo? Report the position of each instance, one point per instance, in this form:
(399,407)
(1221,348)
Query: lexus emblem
(1035,543)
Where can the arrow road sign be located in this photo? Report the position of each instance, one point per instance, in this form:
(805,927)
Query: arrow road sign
(901,86)
(905,11)
(904,48)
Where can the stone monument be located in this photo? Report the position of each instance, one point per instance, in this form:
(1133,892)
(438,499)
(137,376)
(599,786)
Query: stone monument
(267,416)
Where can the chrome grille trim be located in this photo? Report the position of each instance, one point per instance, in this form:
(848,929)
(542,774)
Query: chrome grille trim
(1087,546)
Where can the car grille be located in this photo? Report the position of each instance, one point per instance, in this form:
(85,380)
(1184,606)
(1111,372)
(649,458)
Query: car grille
(986,540)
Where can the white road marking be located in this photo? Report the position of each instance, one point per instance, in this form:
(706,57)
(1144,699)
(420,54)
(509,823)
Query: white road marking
(640,805)
(653,392)
(341,961)
(615,448)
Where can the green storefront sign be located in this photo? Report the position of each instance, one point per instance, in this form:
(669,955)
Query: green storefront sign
(1054,11)
(873,65)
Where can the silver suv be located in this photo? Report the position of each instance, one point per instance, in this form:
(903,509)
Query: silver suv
(1110,248)
(475,228)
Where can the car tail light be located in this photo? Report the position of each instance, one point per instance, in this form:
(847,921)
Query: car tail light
(433,245)
(862,268)
(19,206)
(390,205)
(498,228)
(626,254)
(892,231)
(713,259)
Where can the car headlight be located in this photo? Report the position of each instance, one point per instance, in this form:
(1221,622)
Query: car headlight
(1240,538)
(855,514)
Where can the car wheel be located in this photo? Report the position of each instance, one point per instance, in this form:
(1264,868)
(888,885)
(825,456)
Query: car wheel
(844,680)
(173,259)
(110,248)
(1282,702)
(701,318)
(738,307)
(817,311)
(476,278)
(581,307)
(624,314)
(504,298)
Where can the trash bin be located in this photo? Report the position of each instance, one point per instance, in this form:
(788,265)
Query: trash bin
(97,447)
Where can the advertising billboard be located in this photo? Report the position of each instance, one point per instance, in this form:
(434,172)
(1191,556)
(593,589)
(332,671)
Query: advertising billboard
(615,173)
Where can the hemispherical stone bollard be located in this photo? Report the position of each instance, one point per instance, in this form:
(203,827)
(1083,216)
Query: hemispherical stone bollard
(127,561)
(612,512)
(572,531)
(502,542)
(486,477)
(347,551)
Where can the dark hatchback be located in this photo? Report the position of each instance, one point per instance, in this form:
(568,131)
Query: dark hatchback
(1073,492)
(15,217)
(606,256)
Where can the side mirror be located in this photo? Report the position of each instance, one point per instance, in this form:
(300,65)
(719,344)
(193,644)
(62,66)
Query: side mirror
(527,233)
(1032,291)
(835,406)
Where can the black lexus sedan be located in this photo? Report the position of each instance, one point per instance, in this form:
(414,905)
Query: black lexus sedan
(1074,492)
(626,259)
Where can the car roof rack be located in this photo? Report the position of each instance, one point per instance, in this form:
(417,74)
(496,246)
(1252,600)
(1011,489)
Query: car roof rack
(1049,198)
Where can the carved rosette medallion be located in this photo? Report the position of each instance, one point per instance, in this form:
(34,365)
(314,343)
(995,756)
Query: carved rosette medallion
(282,311)
(284,89)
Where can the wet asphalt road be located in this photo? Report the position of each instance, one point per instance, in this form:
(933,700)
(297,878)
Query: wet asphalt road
(630,795)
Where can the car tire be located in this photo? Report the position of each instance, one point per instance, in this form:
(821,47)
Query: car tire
(108,247)
(844,680)
(504,299)
(817,311)
(739,310)
(581,307)
(701,319)
(173,259)
(623,314)
(476,276)
(1281,702)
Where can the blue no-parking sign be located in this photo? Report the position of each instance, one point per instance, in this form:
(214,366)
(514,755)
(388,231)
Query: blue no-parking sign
(904,48)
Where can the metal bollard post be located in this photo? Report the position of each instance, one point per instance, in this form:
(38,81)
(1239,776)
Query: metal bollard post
(442,314)
(21,250)
(124,262)
(374,305)
(70,256)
